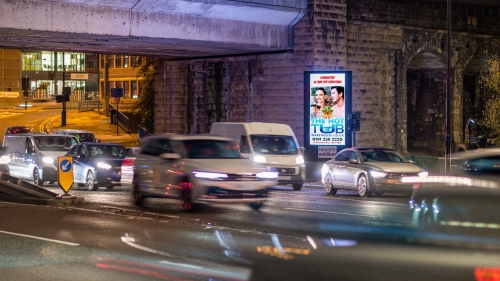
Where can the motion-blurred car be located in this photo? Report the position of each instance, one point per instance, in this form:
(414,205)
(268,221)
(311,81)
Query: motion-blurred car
(81,135)
(18,130)
(97,164)
(33,156)
(128,166)
(199,169)
(368,170)
(464,200)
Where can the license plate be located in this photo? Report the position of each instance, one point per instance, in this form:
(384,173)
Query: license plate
(284,178)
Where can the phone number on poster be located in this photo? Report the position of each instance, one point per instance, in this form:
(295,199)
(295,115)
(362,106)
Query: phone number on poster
(327,139)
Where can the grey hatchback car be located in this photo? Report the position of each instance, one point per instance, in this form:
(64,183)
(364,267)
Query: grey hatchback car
(368,170)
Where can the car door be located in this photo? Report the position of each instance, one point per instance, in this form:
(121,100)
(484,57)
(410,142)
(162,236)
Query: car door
(155,173)
(340,176)
(352,169)
(78,162)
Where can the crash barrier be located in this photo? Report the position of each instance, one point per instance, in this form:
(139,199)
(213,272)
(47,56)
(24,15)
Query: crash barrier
(433,165)
(89,105)
(13,186)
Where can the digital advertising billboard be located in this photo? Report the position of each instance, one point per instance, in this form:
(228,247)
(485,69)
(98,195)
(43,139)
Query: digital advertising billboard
(327,102)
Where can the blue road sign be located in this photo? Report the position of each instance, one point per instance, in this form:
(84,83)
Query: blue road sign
(65,166)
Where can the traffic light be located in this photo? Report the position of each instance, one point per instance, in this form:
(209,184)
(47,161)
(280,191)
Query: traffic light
(353,121)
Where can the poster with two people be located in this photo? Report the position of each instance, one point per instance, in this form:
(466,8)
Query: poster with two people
(327,109)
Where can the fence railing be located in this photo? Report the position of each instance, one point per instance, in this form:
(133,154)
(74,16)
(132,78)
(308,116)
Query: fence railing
(128,125)
(89,105)
(143,132)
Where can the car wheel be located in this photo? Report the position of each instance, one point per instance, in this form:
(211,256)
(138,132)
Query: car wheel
(36,178)
(136,194)
(256,205)
(109,187)
(90,182)
(297,186)
(363,187)
(329,188)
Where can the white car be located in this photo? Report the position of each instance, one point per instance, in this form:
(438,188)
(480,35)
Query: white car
(198,169)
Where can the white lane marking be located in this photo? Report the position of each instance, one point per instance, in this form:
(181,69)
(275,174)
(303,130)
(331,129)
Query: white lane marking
(337,198)
(329,212)
(40,238)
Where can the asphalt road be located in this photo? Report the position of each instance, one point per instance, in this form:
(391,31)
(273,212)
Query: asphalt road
(298,235)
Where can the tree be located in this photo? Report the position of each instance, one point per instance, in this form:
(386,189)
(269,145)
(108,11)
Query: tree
(144,107)
(491,80)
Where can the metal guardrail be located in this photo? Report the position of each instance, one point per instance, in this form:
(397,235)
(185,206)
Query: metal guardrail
(129,126)
(433,165)
(89,105)
(143,132)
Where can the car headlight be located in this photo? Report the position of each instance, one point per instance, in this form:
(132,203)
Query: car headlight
(209,175)
(423,174)
(267,175)
(259,159)
(299,160)
(103,165)
(48,160)
(377,174)
(5,159)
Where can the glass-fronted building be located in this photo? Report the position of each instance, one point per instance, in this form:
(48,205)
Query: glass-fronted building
(45,74)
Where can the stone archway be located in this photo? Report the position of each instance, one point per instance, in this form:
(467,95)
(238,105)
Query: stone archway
(426,103)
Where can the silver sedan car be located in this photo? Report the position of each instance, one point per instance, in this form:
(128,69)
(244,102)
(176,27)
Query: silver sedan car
(368,170)
(198,169)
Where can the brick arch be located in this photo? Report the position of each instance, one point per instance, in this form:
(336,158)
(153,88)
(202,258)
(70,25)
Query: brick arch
(424,93)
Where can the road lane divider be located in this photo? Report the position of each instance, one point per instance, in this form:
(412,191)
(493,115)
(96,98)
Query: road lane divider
(40,238)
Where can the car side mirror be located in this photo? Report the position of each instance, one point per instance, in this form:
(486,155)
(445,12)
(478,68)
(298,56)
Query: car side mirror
(170,156)
(353,161)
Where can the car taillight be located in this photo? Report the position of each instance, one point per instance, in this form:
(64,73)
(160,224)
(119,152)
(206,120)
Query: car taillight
(128,161)
(186,185)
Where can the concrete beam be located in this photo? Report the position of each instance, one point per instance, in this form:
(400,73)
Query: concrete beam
(177,28)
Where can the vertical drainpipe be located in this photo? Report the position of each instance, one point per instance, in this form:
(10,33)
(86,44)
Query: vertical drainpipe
(396,69)
(106,85)
(250,92)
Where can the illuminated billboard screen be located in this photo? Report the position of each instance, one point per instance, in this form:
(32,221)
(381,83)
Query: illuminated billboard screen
(328,102)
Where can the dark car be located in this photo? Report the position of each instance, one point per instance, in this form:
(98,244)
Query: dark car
(97,164)
(465,200)
(18,130)
(368,170)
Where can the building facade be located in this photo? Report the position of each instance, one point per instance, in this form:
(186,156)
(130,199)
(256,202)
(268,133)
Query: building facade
(396,51)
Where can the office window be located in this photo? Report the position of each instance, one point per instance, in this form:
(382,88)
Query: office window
(111,61)
(118,61)
(126,93)
(118,84)
(125,62)
(134,89)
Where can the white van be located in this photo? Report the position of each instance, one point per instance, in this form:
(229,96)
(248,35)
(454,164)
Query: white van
(272,144)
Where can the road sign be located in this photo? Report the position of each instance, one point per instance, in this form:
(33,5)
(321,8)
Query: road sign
(117,100)
(116,92)
(65,172)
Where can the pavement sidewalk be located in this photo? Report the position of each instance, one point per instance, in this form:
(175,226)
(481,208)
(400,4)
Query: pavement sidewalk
(94,121)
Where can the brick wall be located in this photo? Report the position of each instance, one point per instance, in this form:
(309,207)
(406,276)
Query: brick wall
(375,40)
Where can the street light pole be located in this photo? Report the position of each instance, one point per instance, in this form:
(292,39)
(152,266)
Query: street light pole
(447,144)
(63,114)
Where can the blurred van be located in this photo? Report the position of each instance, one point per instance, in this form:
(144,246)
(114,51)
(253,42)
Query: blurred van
(272,144)
(81,135)
(33,156)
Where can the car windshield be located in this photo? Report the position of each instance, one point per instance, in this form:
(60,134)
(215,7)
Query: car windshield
(19,130)
(54,143)
(201,149)
(85,137)
(274,144)
(382,156)
(107,151)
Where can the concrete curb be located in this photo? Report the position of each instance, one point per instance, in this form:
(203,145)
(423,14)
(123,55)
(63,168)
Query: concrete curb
(39,201)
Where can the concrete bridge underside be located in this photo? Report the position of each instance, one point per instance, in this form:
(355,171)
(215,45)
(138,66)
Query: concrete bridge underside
(172,29)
